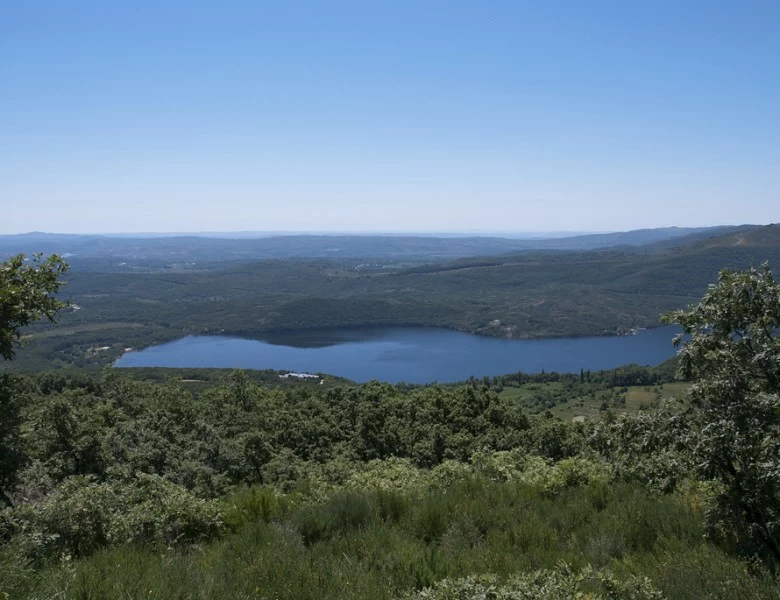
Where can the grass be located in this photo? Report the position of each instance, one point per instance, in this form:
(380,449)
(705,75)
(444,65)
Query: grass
(82,328)
(581,404)
(372,544)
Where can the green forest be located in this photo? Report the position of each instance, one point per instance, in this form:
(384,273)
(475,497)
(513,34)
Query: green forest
(146,484)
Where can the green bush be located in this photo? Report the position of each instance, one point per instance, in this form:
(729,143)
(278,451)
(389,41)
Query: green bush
(159,511)
(79,517)
(389,474)
(83,515)
(540,473)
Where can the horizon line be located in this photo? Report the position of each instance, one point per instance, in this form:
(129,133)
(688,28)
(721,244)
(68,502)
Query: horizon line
(363,233)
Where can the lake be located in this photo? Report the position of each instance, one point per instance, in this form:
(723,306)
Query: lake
(410,354)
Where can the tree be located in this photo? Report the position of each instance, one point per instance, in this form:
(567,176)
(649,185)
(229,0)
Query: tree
(26,295)
(733,355)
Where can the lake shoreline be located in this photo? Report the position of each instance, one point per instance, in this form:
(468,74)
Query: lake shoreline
(411,355)
(260,334)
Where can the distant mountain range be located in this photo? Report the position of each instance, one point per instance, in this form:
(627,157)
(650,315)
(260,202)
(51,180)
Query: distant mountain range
(179,249)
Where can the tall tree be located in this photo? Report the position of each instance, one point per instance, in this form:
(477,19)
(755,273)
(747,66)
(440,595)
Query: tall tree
(27,291)
(732,353)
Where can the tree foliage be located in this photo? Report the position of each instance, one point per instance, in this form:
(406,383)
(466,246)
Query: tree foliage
(27,295)
(733,355)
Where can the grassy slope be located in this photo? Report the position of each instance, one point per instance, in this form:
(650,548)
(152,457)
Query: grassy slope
(588,405)
(369,544)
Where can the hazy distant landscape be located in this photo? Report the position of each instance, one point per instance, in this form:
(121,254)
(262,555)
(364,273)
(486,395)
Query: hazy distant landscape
(181,251)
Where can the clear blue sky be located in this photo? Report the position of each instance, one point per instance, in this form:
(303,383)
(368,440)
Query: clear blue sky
(388,116)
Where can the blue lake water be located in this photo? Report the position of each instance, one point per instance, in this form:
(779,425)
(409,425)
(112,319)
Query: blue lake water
(413,355)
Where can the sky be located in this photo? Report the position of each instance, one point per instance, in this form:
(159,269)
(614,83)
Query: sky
(397,116)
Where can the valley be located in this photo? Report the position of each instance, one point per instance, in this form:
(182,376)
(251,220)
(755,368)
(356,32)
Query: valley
(514,296)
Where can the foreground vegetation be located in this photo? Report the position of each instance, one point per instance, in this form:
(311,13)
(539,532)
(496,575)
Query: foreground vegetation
(135,489)
(403,534)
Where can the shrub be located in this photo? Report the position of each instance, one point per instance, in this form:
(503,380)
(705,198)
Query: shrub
(159,511)
(251,505)
(392,505)
(389,474)
(82,515)
(540,473)
(432,517)
(652,447)
(562,583)
(343,512)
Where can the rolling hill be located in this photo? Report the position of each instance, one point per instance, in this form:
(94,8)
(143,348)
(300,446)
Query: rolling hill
(94,252)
